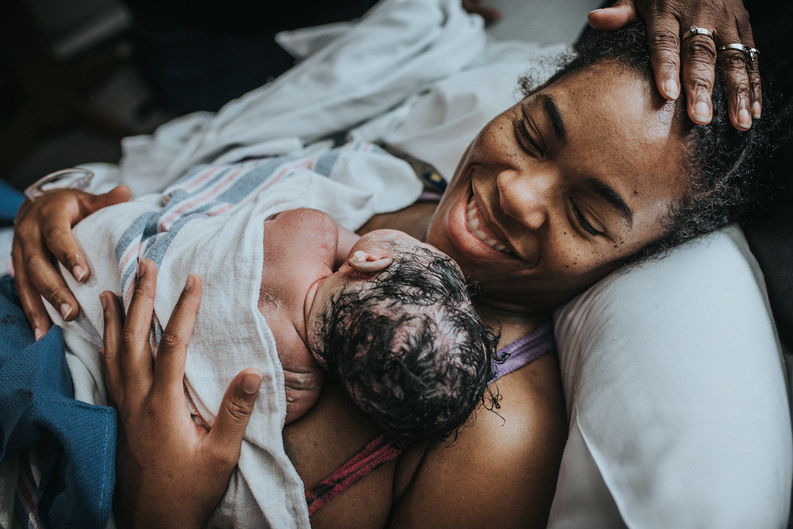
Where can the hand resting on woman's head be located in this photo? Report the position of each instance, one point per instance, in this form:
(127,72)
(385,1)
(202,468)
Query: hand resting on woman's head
(552,195)
(694,58)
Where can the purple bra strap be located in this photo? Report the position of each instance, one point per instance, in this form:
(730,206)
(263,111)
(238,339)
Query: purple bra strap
(526,349)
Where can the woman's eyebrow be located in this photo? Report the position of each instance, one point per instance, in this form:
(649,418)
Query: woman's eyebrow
(607,193)
(557,123)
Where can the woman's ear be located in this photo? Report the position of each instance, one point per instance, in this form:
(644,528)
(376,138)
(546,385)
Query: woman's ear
(371,262)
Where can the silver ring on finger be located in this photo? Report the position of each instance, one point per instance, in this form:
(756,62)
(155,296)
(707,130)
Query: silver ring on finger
(696,30)
(750,53)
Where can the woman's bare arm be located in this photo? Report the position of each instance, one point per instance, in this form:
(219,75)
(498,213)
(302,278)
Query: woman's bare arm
(502,471)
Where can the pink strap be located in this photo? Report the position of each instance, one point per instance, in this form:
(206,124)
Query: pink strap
(361,465)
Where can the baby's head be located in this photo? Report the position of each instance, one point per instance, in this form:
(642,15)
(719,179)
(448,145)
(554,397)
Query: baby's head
(397,328)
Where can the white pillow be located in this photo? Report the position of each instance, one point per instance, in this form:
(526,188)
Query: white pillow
(676,396)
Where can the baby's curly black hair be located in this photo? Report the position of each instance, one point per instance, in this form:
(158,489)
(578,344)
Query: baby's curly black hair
(727,168)
(409,348)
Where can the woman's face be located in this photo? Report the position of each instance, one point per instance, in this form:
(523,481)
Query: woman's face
(555,192)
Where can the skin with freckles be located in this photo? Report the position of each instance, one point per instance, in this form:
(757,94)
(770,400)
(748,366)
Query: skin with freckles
(556,191)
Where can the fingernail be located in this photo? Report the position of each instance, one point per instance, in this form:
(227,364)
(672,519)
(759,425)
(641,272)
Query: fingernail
(37,332)
(251,383)
(756,110)
(702,112)
(671,89)
(103,301)
(66,309)
(595,11)
(141,269)
(78,272)
(189,283)
(744,119)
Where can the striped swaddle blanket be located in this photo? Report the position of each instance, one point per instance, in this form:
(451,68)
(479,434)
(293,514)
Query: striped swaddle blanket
(210,223)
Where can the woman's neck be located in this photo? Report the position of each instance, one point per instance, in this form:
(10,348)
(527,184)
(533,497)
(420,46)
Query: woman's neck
(513,324)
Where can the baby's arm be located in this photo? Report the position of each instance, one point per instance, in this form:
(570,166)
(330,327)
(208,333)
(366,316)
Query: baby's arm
(346,241)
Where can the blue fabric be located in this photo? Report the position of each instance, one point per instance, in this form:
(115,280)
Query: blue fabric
(37,406)
(10,200)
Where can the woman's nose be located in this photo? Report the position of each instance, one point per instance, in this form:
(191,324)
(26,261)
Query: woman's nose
(526,198)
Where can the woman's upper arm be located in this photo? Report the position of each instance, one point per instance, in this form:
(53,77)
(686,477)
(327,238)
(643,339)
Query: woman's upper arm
(502,470)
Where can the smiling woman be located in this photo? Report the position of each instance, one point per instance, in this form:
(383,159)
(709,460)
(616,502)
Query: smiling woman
(589,171)
(569,182)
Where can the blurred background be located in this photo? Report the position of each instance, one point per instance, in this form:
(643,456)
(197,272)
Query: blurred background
(78,75)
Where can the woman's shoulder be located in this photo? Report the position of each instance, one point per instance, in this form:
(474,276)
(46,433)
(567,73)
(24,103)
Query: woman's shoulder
(502,468)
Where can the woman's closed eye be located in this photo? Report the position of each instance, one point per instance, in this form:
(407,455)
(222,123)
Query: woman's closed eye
(525,138)
(584,223)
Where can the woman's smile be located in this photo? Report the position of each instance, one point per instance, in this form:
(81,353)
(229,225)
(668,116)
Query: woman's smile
(536,225)
(479,228)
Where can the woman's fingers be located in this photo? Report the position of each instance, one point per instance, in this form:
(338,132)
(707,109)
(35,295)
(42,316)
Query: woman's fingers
(58,240)
(58,233)
(30,298)
(614,17)
(739,88)
(690,62)
(172,350)
(136,360)
(476,7)
(232,418)
(36,276)
(698,54)
(43,230)
(742,76)
(111,352)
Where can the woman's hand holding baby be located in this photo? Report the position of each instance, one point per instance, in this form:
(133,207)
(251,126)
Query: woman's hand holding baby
(43,231)
(170,472)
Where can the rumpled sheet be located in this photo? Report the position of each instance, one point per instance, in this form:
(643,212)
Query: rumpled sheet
(416,74)
(400,47)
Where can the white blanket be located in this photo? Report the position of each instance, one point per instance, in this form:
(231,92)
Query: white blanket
(211,223)
(417,74)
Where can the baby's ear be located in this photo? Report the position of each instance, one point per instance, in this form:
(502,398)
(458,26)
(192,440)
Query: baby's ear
(370,262)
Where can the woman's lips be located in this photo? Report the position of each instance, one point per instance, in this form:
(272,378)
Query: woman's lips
(479,229)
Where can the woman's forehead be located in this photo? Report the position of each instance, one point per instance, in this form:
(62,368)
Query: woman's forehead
(617,130)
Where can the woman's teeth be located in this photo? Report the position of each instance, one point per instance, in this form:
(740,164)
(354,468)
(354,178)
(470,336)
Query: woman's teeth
(473,226)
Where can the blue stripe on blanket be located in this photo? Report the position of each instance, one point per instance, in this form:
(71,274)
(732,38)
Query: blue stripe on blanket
(212,190)
(326,161)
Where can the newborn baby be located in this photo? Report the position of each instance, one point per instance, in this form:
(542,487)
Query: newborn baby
(394,324)
(289,293)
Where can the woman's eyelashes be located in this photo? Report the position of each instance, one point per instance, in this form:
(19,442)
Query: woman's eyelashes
(536,147)
(585,225)
(525,138)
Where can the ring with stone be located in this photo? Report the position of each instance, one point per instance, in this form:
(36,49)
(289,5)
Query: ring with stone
(696,30)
